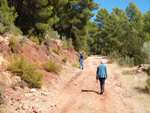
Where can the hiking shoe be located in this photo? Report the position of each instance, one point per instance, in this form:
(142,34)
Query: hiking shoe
(102,92)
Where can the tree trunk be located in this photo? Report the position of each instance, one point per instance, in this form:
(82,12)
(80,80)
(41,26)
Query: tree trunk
(101,45)
(69,36)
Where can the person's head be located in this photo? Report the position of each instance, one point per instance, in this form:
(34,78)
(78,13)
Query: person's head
(80,52)
(102,61)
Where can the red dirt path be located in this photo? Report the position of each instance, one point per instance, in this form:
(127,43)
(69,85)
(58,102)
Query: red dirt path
(81,93)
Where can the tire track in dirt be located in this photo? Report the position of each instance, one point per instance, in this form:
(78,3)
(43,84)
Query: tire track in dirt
(80,94)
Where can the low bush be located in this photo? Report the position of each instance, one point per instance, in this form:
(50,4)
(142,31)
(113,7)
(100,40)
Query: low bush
(129,72)
(7,16)
(23,40)
(65,59)
(125,61)
(56,51)
(13,44)
(75,65)
(51,34)
(21,84)
(67,44)
(121,60)
(52,66)
(113,56)
(3,64)
(35,39)
(48,42)
(85,56)
(2,28)
(27,70)
(70,45)
(15,30)
(145,49)
(64,44)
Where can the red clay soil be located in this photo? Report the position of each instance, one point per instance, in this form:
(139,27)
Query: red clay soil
(36,53)
(81,93)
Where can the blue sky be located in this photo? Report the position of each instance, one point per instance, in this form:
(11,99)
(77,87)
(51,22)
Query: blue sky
(144,5)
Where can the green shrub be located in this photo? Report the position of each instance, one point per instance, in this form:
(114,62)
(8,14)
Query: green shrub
(85,56)
(7,16)
(129,72)
(3,64)
(67,44)
(23,40)
(75,65)
(15,30)
(65,59)
(21,84)
(2,28)
(113,56)
(48,42)
(27,70)
(146,50)
(70,45)
(50,33)
(52,66)
(56,51)
(42,27)
(35,39)
(64,44)
(129,61)
(13,44)
(125,61)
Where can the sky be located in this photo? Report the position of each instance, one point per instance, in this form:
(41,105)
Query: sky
(144,5)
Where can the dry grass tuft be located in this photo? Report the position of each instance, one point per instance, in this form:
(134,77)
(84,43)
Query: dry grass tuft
(128,72)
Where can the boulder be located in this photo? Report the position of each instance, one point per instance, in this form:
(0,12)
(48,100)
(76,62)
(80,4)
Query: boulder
(33,90)
(44,93)
(143,67)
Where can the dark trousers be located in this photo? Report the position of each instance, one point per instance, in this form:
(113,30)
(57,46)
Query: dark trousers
(102,83)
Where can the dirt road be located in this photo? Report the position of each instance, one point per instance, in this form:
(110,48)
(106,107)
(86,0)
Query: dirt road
(81,92)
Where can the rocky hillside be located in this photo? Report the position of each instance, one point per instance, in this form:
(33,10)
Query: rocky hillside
(16,96)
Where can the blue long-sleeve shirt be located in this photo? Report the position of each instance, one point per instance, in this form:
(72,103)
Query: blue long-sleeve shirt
(81,57)
(101,71)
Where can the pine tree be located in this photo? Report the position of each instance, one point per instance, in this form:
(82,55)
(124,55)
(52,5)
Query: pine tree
(7,16)
(73,18)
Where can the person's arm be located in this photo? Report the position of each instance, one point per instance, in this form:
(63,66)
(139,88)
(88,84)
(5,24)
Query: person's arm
(97,74)
(83,57)
(106,71)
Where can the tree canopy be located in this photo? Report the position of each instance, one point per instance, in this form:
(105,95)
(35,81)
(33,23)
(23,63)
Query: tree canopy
(121,31)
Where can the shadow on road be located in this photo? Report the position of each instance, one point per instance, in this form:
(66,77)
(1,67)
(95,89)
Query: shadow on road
(90,91)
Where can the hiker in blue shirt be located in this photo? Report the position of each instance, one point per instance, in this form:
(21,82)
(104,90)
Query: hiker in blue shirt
(101,74)
(81,60)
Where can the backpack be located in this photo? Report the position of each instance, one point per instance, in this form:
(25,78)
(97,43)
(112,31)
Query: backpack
(79,58)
